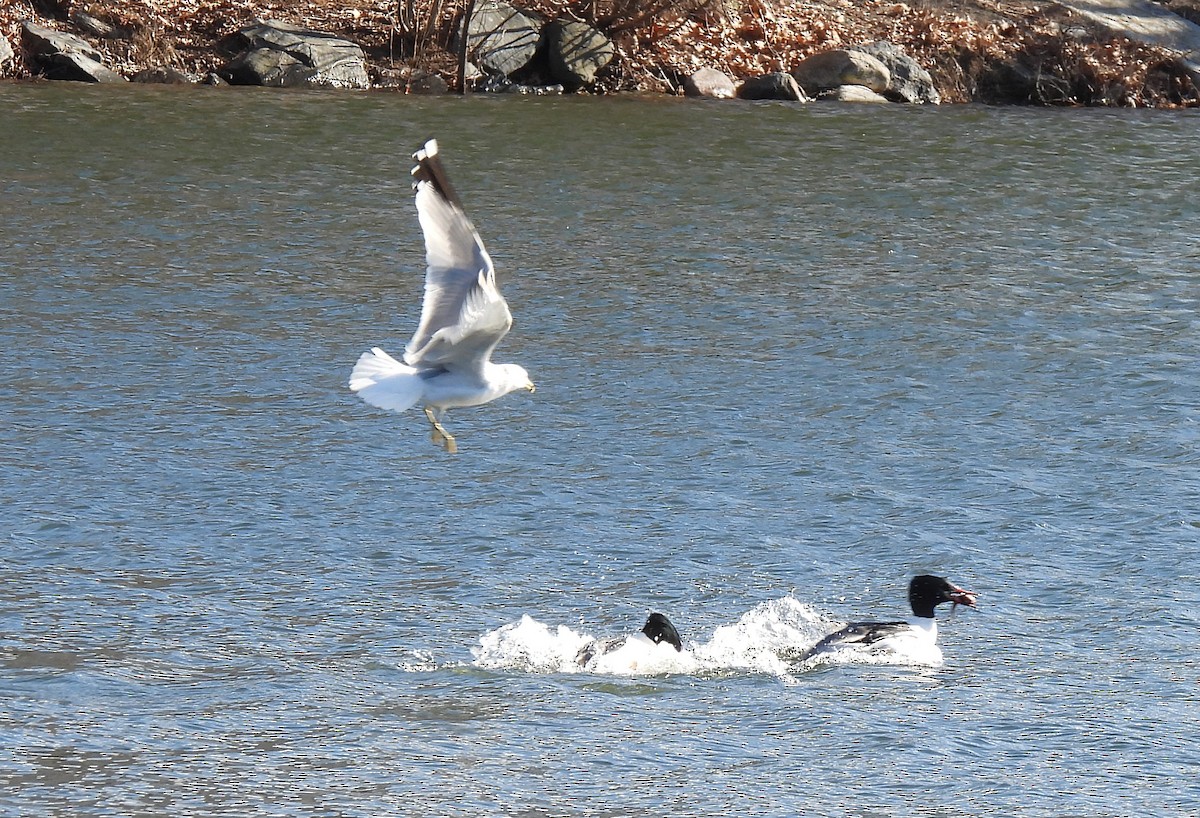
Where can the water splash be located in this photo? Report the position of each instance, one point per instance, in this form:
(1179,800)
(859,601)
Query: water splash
(531,646)
(770,638)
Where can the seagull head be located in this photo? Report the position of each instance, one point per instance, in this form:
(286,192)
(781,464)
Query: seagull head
(515,377)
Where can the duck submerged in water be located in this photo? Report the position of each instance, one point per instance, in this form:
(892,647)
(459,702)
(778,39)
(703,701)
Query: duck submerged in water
(658,629)
(914,639)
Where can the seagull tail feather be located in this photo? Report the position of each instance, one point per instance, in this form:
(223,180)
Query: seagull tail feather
(382,381)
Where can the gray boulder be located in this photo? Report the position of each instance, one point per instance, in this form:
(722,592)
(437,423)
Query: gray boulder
(776,85)
(501,39)
(576,52)
(61,56)
(6,51)
(709,82)
(427,83)
(829,69)
(282,55)
(853,93)
(40,40)
(910,82)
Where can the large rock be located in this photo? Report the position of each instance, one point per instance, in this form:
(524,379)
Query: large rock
(709,82)
(776,85)
(910,82)
(576,52)
(61,56)
(853,93)
(282,55)
(829,69)
(6,52)
(40,40)
(501,39)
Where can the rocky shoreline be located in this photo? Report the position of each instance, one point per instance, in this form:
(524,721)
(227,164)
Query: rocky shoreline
(992,51)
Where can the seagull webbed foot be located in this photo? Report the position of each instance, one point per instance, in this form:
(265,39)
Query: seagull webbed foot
(438,434)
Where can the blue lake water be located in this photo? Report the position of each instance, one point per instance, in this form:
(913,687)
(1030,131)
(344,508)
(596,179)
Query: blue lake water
(786,356)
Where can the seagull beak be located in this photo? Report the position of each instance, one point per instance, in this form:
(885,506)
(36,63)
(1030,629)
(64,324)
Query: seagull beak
(960,597)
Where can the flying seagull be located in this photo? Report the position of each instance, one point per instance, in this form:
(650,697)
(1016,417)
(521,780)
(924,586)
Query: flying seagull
(447,363)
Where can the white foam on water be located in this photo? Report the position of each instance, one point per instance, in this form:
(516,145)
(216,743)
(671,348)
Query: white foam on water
(768,639)
(529,645)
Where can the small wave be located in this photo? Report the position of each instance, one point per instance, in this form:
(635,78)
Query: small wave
(419,661)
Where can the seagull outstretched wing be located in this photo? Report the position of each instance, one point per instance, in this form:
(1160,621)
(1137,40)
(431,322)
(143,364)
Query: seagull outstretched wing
(463,315)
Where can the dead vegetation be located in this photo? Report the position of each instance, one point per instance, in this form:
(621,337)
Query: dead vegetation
(1005,51)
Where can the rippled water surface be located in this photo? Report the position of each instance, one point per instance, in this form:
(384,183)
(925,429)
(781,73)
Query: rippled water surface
(785,356)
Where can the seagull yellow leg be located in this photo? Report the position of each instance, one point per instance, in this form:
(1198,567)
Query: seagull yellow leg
(438,433)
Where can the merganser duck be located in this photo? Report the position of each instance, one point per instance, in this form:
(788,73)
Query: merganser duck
(916,638)
(657,629)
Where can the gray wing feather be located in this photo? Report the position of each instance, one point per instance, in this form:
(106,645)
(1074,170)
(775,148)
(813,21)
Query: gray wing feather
(463,316)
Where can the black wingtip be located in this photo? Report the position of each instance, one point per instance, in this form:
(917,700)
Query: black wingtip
(429,169)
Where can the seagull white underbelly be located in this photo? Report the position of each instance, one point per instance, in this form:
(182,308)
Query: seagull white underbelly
(448,390)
